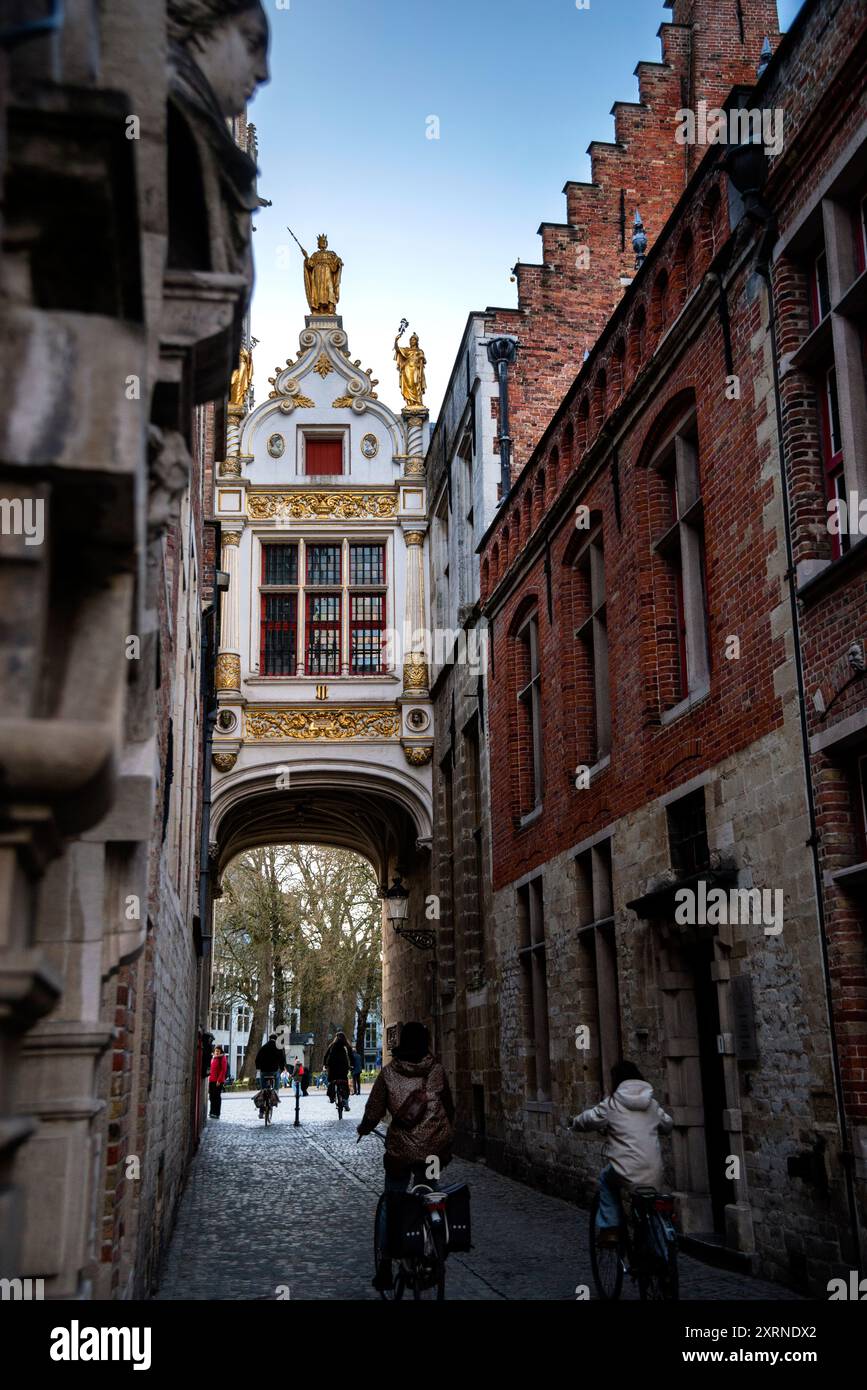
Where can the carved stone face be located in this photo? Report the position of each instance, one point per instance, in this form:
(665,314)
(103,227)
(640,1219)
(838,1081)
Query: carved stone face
(234,59)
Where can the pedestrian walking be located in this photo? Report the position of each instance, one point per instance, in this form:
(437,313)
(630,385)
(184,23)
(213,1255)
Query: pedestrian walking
(217,1075)
(357,1069)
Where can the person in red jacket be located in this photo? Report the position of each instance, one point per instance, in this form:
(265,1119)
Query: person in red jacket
(216,1080)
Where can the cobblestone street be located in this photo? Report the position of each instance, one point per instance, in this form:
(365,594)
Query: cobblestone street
(266,1208)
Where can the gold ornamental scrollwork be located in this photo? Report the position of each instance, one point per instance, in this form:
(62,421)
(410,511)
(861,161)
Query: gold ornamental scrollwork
(224,762)
(414,468)
(230,468)
(418,757)
(344,505)
(414,537)
(332,724)
(228,671)
(231,538)
(415,673)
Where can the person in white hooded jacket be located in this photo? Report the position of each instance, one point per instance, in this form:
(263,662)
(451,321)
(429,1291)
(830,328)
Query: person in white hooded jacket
(632,1121)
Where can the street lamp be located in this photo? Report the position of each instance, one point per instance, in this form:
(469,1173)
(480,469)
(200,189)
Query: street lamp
(396,909)
(396,903)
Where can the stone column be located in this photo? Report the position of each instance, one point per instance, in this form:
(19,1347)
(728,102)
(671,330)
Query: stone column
(232,464)
(229,657)
(415,421)
(415,664)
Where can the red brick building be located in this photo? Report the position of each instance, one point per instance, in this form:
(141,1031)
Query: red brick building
(645,707)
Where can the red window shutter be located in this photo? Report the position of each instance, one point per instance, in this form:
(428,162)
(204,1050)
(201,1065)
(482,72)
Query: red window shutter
(323,456)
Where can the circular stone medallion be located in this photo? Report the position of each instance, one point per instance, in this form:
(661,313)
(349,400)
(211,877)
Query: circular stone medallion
(276,446)
(370,446)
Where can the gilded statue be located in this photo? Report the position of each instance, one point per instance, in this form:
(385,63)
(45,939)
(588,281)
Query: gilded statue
(410,367)
(322,273)
(242,379)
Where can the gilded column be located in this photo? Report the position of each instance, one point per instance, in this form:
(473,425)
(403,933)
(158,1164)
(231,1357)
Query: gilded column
(229,658)
(231,465)
(415,665)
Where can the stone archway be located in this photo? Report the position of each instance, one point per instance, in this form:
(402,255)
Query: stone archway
(346,804)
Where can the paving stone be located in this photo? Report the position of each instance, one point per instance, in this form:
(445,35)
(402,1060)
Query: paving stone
(281,1207)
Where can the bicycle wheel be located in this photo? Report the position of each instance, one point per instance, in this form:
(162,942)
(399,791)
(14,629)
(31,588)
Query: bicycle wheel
(429,1271)
(395,1293)
(606,1261)
(660,1280)
(267,1114)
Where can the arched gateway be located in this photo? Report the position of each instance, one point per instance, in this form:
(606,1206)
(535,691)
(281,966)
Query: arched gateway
(324,731)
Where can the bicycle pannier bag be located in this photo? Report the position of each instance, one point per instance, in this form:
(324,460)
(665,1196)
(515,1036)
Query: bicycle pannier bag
(404,1225)
(458,1217)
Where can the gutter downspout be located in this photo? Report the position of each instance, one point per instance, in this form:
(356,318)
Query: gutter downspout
(764,270)
(501,354)
(209,705)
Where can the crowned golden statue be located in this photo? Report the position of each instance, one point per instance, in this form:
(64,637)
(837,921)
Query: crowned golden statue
(322,273)
(410,366)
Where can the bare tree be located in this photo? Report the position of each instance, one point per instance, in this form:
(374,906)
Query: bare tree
(298,926)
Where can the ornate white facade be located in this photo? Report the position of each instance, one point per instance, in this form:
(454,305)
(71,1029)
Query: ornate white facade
(324,731)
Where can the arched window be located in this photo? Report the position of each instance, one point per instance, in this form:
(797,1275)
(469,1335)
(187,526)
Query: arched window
(671,457)
(528,692)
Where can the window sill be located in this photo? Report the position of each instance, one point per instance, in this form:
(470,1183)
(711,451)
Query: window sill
(256,679)
(531,817)
(852,561)
(694,698)
(852,878)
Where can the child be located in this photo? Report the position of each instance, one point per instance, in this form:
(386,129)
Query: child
(632,1121)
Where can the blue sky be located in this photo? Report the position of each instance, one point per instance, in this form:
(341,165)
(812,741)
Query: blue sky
(428,228)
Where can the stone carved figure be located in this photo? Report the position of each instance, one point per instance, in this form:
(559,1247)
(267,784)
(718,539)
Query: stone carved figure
(410,365)
(322,273)
(227,40)
(217,59)
(169,466)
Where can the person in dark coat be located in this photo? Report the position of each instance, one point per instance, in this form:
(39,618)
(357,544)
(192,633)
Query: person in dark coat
(270,1059)
(217,1075)
(338,1062)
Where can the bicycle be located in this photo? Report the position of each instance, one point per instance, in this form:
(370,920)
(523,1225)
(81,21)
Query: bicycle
(269,1098)
(424,1271)
(341,1096)
(646,1249)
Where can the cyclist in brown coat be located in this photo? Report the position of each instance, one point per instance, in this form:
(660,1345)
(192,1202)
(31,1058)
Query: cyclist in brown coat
(414,1090)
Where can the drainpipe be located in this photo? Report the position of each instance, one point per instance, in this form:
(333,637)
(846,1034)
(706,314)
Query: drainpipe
(501,354)
(208,699)
(764,270)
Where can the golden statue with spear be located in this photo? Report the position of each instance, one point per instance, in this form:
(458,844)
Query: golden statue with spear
(322,273)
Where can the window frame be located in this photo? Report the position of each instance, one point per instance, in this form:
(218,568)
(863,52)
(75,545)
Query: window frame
(309,584)
(323,434)
(592,634)
(681,547)
(530,696)
(288,590)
